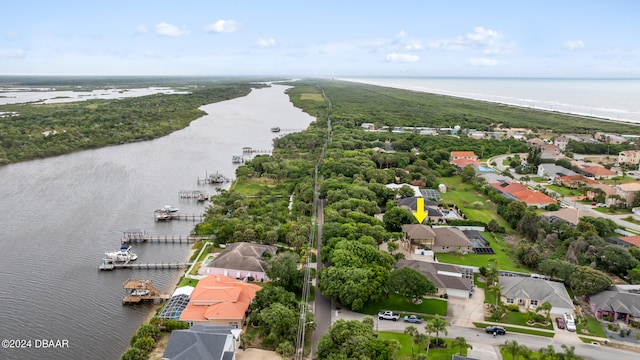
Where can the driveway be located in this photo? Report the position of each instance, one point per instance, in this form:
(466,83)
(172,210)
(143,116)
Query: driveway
(463,312)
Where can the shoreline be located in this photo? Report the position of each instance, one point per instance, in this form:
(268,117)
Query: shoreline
(503,103)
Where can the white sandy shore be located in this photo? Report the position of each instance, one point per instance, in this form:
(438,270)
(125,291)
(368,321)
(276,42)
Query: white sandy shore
(390,84)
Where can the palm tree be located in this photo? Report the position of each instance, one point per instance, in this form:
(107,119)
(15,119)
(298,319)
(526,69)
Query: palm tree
(569,352)
(462,343)
(496,290)
(430,328)
(420,339)
(546,306)
(512,347)
(411,331)
(440,324)
(548,353)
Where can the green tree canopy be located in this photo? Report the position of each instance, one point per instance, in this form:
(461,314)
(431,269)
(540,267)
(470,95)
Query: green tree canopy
(587,281)
(355,340)
(283,271)
(410,283)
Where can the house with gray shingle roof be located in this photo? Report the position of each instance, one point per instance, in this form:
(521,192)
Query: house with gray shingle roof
(622,302)
(434,215)
(242,260)
(202,342)
(448,279)
(438,239)
(530,293)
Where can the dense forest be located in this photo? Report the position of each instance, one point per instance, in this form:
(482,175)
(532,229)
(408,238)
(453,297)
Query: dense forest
(43,130)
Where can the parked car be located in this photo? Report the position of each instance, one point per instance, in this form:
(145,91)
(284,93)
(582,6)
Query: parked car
(388,315)
(413,319)
(560,323)
(496,330)
(569,322)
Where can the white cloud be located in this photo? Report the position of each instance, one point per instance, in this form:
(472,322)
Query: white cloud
(266,43)
(483,62)
(141,29)
(573,45)
(12,35)
(13,53)
(413,47)
(487,40)
(222,26)
(396,57)
(165,29)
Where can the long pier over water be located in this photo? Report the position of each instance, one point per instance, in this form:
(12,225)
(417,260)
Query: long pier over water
(145,266)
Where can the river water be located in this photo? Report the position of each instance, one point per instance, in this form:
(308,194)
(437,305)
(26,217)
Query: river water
(63,213)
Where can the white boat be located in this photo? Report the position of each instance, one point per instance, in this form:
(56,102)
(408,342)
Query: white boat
(125,254)
(140,292)
(162,215)
(170,208)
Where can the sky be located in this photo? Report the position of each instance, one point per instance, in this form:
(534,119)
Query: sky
(489,38)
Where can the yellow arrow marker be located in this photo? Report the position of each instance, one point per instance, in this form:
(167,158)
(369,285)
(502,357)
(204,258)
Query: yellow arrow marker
(420,214)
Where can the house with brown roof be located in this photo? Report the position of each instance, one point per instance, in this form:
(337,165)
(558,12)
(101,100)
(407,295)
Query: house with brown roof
(535,143)
(242,260)
(629,157)
(567,215)
(219,300)
(468,155)
(628,191)
(438,239)
(448,279)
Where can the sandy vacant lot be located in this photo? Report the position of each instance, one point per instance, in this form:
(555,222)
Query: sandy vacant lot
(257,354)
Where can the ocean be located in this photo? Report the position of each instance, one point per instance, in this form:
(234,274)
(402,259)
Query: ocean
(613,99)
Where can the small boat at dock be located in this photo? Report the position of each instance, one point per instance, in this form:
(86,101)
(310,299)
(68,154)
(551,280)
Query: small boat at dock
(124,255)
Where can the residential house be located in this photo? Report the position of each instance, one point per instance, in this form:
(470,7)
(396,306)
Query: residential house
(552,151)
(628,191)
(633,240)
(451,239)
(462,163)
(629,157)
(434,215)
(440,239)
(448,279)
(574,181)
(568,215)
(620,302)
(592,170)
(242,260)
(419,236)
(416,189)
(553,171)
(519,192)
(535,143)
(202,342)
(561,142)
(530,293)
(468,155)
(219,300)
(368,126)
(606,189)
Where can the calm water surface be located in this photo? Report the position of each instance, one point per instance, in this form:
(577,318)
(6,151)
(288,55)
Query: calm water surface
(63,213)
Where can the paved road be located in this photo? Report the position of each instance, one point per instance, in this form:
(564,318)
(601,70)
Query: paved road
(322,304)
(485,346)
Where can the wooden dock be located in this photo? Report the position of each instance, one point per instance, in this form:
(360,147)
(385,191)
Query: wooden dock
(198,195)
(180,239)
(139,290)
(215,178)
(143,266)
(250,150)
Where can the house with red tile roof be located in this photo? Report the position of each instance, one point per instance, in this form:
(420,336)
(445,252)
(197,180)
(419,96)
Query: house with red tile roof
(592,170)
(461,163)
(574,181)
(535,143)
(519,192)
(219,300)
(631,240)
(469,155)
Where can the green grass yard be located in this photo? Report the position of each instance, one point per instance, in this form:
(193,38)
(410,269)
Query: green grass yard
(590,326)
(503,254)
(405,347)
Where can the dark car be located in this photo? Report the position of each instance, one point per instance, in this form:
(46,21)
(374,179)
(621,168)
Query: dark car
(560,322)
(496,330)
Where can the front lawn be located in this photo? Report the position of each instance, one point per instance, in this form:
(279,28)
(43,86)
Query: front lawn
(405,347)
(590,326)
(518,330)
(520,318)
(397,303)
